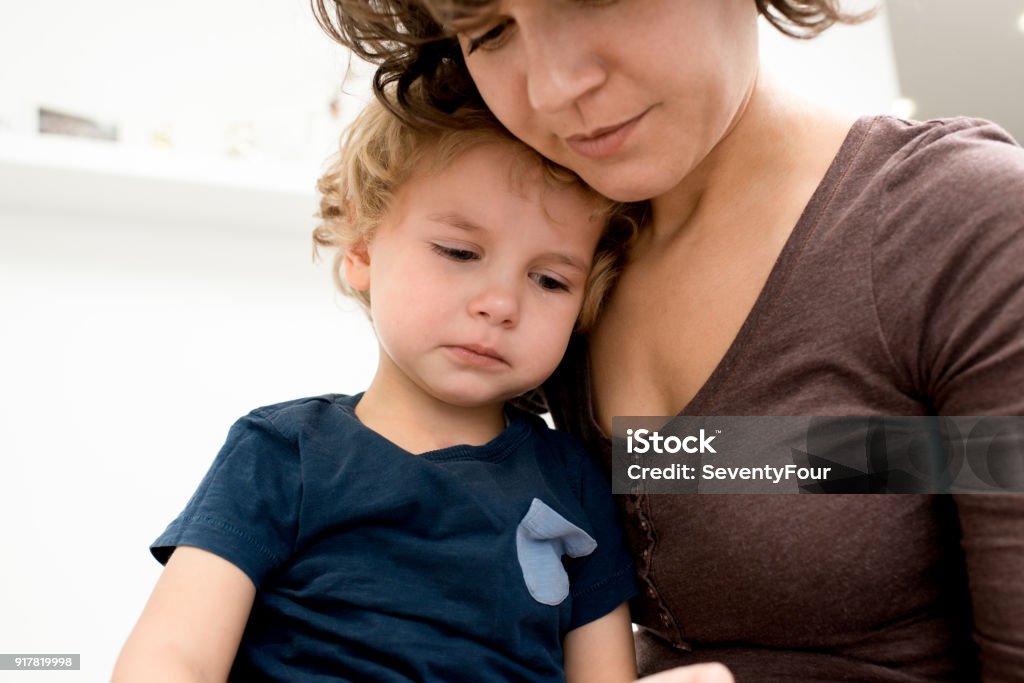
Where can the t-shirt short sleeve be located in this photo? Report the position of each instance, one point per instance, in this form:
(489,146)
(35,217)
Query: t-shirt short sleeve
(604,579)
(246,508)
(951,315)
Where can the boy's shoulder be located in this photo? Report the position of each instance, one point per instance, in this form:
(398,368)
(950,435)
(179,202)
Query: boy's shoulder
(567,447)
(538,423)
(297,416)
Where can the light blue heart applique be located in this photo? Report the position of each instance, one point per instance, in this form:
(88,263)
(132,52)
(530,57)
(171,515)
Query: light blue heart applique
(541,539)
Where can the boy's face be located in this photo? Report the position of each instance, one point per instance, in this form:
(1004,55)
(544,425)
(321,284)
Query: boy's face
(475,285)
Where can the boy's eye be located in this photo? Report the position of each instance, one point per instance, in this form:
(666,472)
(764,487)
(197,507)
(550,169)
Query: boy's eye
(492,38)
(455,254)
(549,283)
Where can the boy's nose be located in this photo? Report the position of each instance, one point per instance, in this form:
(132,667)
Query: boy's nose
(496,305)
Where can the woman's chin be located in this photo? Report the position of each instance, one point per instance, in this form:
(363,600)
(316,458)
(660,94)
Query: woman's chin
(629,191)
(624,184)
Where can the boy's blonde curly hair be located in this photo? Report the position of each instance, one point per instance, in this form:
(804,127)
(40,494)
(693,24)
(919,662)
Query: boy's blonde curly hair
(379,152)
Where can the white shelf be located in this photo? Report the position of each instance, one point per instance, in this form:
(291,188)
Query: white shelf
(101,180)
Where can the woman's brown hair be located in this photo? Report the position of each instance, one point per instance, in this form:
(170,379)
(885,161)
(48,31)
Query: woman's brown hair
(412,46)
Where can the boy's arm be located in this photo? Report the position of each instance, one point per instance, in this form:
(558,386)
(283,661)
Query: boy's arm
(192,624)
(602,651)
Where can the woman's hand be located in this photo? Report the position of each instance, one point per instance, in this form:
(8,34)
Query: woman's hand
(697,673)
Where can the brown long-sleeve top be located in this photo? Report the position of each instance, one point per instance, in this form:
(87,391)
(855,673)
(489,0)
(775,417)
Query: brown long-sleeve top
(899,292)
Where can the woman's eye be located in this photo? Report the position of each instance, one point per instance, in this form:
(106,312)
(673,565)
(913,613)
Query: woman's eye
(491,39)
(549,283)
(455,254)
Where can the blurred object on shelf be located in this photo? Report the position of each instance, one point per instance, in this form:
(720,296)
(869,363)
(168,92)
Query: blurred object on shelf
(162,137)
(56,122)
(241,141)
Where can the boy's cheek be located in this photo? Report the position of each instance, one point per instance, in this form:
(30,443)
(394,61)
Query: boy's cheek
(550,347)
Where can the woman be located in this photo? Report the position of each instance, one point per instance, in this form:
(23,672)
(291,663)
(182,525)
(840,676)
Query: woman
(794,262)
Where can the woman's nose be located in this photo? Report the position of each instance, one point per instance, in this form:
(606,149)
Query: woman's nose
(560,68)
(497,305)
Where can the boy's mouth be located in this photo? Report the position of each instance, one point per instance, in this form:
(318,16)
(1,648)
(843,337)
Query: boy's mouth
(477,355)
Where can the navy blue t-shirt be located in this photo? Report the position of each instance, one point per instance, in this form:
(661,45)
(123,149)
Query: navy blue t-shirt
(374,564)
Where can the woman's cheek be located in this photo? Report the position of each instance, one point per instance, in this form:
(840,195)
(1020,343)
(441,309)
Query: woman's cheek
(504,94)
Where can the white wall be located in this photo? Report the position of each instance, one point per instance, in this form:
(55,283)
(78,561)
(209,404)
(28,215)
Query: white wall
(192,70)
(128,349)
(138,319)
(849,68)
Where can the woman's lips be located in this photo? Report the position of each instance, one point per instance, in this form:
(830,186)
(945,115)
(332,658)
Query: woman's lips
(604,141)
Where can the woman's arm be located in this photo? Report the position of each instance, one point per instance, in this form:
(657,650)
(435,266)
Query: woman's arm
(192,624)
(993,541)
(602,651)
(949,294)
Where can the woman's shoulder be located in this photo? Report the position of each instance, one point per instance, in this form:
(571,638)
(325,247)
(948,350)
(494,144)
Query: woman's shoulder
(957,180)
(947,243)
(966,155)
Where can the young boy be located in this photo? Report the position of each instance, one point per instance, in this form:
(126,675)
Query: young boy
(422,530)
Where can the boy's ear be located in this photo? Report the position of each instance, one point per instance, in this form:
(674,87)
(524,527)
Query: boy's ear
(357,266)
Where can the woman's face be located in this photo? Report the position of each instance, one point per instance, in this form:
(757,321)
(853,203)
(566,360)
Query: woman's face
(630,94)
